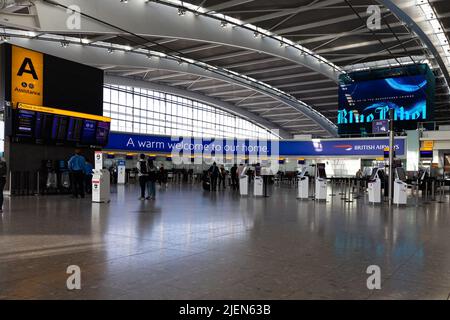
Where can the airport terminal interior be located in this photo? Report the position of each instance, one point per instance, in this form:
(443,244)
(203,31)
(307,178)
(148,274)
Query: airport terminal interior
(225,150)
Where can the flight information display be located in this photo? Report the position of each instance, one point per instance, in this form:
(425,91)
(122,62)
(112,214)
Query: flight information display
(102,132)
(53,128)
(74,129)
(25,121)
(88,131)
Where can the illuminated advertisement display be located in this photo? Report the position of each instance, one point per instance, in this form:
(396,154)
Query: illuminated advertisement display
(369,101)
(365,100)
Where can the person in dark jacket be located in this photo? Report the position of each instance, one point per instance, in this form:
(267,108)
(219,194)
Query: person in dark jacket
(77,165)
(162,177)
(222,177)
(88,176)
(142,174)
(234,177)
(151,181)
(214,175)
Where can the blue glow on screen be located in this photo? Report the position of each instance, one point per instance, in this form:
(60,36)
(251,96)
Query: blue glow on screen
(366,101)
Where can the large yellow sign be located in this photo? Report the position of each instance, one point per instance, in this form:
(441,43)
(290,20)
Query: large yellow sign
(27,76)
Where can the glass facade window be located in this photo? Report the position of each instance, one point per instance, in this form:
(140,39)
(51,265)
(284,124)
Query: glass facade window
(138,110)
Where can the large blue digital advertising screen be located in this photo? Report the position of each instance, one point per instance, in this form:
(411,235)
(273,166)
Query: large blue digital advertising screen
(363,102)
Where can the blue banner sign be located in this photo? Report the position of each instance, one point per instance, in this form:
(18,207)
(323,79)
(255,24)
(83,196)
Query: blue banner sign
(342,147)
(339,147)
(164,144)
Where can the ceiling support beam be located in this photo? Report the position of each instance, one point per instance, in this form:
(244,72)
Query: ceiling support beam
(287,12)
(408,12)
(149,19)
(93,55)
(227,4)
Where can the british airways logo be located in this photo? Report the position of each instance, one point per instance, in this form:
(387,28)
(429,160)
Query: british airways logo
(346,147)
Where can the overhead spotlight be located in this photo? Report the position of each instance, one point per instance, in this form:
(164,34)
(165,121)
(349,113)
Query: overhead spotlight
(256,34)
(180,62)
(223,24)
(65,43)
(281,44)
(123,1)
(149,56)
(181,12)
(110,50)
(4,38)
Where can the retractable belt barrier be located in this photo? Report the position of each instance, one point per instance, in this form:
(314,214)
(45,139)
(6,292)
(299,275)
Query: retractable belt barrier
(23,183)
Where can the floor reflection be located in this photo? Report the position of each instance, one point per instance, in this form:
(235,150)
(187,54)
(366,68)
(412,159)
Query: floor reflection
(191,244)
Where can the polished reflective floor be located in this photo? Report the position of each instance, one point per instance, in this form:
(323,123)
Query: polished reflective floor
(191,244)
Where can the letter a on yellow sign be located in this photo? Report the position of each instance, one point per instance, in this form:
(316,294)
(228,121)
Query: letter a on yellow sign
(27,76)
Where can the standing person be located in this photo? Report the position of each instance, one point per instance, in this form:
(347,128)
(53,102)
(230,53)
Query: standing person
(222,176)
(214,174)
(3,174)
(142,174)
(88,176)
(359,174)
(257,172)
(151,181)
(234,177)
(162,176)
(77,165)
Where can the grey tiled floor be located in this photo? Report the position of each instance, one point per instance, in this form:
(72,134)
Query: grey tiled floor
(189,244)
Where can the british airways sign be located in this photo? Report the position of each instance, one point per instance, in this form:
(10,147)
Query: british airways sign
(350,147)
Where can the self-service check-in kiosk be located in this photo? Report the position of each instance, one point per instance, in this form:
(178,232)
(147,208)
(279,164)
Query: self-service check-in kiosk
(121,172)
(400,186)
(303,185)
(374,186)
(100,181)
(258,186)
(243,183)
(263,181)
(321,182)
